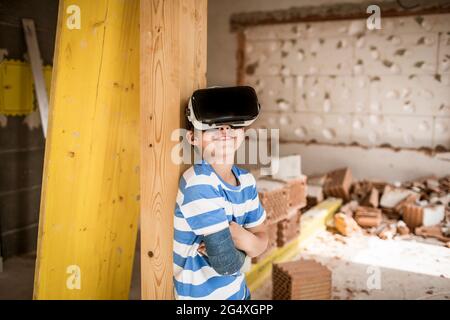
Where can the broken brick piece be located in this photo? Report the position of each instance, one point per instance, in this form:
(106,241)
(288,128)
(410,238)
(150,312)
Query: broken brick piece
(392,196)
(432,232)
(388,232)
(368,217)
(371,199)
(402,228)
(345,225)
(416,216)
(338,184)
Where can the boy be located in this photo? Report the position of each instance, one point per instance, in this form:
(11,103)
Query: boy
(218,216)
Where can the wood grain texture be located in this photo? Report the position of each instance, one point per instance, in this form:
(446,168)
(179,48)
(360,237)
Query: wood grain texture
(90,198)
(173,65)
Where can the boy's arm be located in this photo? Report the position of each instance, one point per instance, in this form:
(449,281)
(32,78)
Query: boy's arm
(253,241)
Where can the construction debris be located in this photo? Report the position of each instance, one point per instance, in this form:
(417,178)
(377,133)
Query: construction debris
(345,225)
(433,232)
(386,209)
(402,228)
(393,196)
(415,215)
(338,184)
(388,232)
(368,217)
(301,280)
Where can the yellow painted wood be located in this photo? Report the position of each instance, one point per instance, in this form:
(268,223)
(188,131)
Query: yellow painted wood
(90,198)
(312,221)
(16,88)
(173,65)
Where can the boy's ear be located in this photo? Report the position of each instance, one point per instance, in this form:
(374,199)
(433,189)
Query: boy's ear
(191,138)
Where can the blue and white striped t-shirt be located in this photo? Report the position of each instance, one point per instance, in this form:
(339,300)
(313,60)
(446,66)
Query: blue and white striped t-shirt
(207,204)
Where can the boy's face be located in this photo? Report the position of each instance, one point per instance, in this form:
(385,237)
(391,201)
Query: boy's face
(219,145)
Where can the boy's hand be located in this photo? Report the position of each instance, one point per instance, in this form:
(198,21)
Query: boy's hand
(202,248)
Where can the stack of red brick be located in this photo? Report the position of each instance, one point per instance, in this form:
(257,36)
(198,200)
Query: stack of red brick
(301,280)
(282,200)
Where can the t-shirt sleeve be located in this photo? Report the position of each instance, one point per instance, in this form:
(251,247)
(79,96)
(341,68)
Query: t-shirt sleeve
(258,215)
(203,207)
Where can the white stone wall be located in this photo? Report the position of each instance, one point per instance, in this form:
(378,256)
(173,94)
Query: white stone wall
(338,82)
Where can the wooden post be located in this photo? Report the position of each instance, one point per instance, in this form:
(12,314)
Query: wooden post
(90,197)
(173,65)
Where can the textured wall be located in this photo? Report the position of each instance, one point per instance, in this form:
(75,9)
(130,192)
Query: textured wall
(338,82)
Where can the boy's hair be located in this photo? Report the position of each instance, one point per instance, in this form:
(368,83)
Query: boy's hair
(188,124)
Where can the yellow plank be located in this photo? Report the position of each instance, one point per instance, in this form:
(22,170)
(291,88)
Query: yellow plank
(16,88)
(173,65)
(311,222)
(90,198)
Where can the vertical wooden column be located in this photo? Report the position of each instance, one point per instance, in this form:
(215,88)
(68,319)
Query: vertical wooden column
(90,197)
(173,65)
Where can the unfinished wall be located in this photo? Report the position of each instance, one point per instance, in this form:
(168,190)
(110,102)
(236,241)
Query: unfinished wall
(21,138)
(338,82)
(334,84)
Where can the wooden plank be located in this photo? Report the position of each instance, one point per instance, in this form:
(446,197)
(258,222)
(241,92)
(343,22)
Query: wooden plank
(89,203)
(173,65)
(38,73)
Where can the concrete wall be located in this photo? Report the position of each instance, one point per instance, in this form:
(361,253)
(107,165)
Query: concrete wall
(21,139)
(367,161)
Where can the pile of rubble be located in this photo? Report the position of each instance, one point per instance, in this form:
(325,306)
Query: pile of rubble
(420,207)
(283,201)
(301,280)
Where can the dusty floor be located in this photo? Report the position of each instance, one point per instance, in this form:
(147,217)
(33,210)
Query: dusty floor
(16,280)
(370,268)
(362,267)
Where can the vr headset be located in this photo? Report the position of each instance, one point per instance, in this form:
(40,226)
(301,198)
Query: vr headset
(213,107)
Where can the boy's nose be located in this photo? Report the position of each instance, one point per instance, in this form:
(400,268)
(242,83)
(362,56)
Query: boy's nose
(225,130)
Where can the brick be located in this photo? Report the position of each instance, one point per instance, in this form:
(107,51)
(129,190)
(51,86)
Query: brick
(301,280)
(274,198)
(416,216)
(368,217)
(338,184)
(371,199)
(297,192)
(288,229)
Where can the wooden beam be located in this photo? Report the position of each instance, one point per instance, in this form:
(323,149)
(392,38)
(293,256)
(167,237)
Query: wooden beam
(90,198)
(173,65)
(335,11)
(37,68)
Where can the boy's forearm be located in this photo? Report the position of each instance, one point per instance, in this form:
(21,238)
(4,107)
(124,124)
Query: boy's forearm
(254,244)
